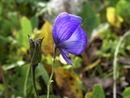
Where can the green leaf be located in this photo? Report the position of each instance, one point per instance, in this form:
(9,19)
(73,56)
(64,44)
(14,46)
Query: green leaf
(88,95)
(26,25)
(34,21)
(98,92)
(122,8)
(126,93)
(26,29)
(43,72)
(76,61)
(89,19)
(13,65)
(1,87)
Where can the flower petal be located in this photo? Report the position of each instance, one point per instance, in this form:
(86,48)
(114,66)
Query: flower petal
(64,54)
(64,26)
(76,44)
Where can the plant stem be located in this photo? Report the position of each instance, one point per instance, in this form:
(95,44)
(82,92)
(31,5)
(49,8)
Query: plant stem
(33,74)
(25,83)
(115,62)
(50,79)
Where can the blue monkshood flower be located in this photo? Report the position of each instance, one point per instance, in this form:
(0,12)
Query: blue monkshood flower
(68,36)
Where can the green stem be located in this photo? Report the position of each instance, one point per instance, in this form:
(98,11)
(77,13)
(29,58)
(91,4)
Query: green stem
(50,79)
(34,84)
(25,83)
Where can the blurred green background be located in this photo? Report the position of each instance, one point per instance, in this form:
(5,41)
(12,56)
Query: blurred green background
(104,21)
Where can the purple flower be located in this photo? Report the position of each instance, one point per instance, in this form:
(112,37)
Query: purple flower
(68,36)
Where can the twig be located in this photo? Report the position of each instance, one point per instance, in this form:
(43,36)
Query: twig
(115,62)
